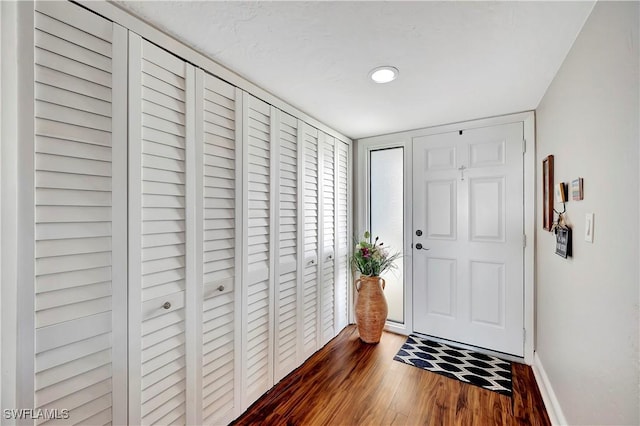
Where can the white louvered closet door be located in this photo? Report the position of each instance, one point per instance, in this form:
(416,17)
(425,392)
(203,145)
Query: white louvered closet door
(72,353)
(310,295)
(219,241)
(259,246)
(343,234)
(287,291)
(328,188)
(161,205)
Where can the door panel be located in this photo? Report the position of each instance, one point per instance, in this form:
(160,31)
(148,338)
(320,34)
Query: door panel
(487,153)
(487,293)
(159,237)
(440,158)
(487,206)
(310,295)
(287,290)
(328,239)
(441,286)
(468,201)
(441,205)
(218,241)
(258,297)
(343,236)
(77,357)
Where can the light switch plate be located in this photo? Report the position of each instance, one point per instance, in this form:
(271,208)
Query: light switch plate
(588,228)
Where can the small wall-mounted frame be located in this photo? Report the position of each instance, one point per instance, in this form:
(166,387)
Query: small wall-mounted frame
(561,193)
(547,193)
(576,190)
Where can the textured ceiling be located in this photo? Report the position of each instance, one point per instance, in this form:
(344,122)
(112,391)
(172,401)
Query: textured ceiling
(457,60)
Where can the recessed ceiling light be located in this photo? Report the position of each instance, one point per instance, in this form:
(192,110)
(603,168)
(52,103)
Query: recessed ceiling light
(384,74)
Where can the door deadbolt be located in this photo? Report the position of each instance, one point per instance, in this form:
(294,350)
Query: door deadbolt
(419,233)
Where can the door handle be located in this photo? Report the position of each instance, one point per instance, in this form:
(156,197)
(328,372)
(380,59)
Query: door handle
(419,247)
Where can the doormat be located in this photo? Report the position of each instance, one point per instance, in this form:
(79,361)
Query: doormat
(471,367)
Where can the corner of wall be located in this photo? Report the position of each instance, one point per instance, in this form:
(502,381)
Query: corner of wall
(549,398)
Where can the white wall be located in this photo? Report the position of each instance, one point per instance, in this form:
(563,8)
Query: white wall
(587,306)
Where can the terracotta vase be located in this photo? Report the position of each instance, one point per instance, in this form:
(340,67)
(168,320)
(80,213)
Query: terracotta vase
(371,308)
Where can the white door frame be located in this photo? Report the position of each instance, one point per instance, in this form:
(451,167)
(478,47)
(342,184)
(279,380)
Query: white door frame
(404,140)
(11,33)
(362,218)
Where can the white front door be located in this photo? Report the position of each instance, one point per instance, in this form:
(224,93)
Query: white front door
(468,237)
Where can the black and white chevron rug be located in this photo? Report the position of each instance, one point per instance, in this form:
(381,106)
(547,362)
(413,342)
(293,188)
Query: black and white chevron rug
(465,365)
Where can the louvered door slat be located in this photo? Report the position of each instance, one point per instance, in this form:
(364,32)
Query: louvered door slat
(48,59)
(79,218)
(87,22)
(159,242)
(286,292)
(82,399)
(96,409)
(77,52)
(310,296)
(74,35)
(219,236)
(74,100)
(61,80)
(72,116)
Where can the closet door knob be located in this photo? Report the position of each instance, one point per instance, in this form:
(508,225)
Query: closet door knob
(166,305)
(221,288)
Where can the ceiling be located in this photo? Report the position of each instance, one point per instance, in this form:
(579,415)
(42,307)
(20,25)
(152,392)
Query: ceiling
(457,60)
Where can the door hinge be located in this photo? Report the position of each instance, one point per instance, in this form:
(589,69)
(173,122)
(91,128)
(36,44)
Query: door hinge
(524,146)
(524,335)
(524,240)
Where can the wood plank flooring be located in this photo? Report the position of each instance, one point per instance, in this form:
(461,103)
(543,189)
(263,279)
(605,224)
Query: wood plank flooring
(349,382)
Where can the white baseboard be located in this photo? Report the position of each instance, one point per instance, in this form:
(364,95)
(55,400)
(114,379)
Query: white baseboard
(548,395)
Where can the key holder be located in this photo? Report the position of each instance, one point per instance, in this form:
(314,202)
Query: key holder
(560,221)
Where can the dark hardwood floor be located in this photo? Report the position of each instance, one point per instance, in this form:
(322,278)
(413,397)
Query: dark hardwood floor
(349,382)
